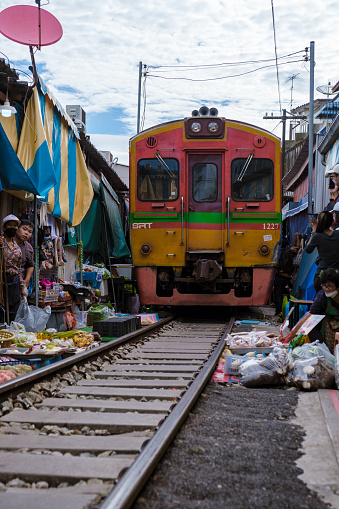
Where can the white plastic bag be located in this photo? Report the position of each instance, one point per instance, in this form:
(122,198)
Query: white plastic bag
(311,350)
(33,318)
(311,374)
(81,317)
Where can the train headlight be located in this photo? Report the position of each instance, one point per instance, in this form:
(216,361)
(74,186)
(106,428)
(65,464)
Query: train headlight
(145,249)
(264,249)
(196,127)
(213,127)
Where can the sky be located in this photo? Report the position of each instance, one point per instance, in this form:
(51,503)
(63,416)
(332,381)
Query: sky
(182,45)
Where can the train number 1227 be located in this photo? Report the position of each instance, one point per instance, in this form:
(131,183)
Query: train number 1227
(271,226)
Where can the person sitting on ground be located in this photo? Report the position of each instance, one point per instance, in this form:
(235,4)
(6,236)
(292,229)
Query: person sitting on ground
(326,303)
(22,237)
(327,242)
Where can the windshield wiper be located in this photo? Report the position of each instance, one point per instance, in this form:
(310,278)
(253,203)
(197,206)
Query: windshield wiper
(244,168)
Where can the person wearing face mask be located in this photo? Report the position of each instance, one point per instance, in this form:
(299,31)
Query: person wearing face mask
(326,241)
(326,303)
(16,288)
(22,237)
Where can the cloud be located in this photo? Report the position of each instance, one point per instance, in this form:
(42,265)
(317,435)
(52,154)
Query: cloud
(96,62)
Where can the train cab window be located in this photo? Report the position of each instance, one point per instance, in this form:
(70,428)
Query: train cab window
(252,179)
(158,179)
(205,182)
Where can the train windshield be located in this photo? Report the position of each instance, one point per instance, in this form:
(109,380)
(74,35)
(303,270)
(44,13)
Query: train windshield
(205,182)
(158,179)
(252,179)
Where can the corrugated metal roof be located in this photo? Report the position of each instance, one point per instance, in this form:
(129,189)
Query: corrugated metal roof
(329,111)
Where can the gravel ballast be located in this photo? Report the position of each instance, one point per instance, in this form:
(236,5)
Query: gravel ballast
(237,449)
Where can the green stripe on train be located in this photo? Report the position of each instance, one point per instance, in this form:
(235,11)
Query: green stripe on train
(206,218)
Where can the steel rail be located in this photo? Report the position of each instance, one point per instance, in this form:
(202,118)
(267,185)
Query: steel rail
(7,387)
(134,479)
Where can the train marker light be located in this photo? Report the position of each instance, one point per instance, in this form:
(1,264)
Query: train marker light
(145,249)
(264,249)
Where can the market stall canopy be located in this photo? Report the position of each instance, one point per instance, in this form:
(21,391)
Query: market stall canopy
(25,161)
(48,161)
(101,228)
(72,195)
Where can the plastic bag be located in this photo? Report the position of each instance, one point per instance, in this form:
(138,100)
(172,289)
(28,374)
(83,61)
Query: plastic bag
(268,371)
(33,318)
(311,350)
(80,316)
(133,304)
(98,313)
(311,374)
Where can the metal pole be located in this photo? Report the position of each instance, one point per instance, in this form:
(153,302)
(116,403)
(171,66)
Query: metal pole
(310,133)
(81,257)
(139,97)
(36,252)
(283,144)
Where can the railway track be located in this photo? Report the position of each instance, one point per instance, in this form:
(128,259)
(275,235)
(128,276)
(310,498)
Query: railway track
(91,435)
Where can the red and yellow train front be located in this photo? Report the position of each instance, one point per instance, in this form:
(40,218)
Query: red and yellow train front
(205,212)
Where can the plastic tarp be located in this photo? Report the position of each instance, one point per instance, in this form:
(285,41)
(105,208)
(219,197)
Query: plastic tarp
(303,287)
(113,224)
(101,228)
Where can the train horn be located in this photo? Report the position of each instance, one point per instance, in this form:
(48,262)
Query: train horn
(214,112)
(204,110)
(195,113)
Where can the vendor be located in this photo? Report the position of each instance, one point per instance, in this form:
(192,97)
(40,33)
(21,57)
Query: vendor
(15,287)
(326,303)
(22,237)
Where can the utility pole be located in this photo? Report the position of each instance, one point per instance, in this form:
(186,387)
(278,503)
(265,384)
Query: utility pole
(283,118)
(141,75)
(310,133)
(139,97)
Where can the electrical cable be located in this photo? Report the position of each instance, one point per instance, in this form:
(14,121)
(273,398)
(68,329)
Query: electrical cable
(224,77)
(276,56)
(223,64)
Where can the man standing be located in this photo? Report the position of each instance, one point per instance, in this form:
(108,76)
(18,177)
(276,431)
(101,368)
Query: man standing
(22,237)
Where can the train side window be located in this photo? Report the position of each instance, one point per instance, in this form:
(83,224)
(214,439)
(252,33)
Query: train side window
(158,179)
(252,179)
(205,182)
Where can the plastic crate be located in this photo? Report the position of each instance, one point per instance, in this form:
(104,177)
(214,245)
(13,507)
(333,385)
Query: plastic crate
(115,327)
(232,363)
(86,276)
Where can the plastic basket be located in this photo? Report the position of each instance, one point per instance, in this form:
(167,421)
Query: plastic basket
(115,327)
(86,276)
(6,338)
(90,277)
(232,363)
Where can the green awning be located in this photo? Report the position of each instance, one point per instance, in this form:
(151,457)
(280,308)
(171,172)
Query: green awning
(101,228)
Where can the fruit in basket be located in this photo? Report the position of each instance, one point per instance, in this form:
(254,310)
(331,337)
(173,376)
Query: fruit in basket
(82,339)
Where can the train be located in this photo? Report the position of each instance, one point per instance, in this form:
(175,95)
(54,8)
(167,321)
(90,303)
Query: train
(205,211)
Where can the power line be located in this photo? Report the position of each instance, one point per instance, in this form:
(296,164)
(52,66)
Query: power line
(223,64)
(225,77)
